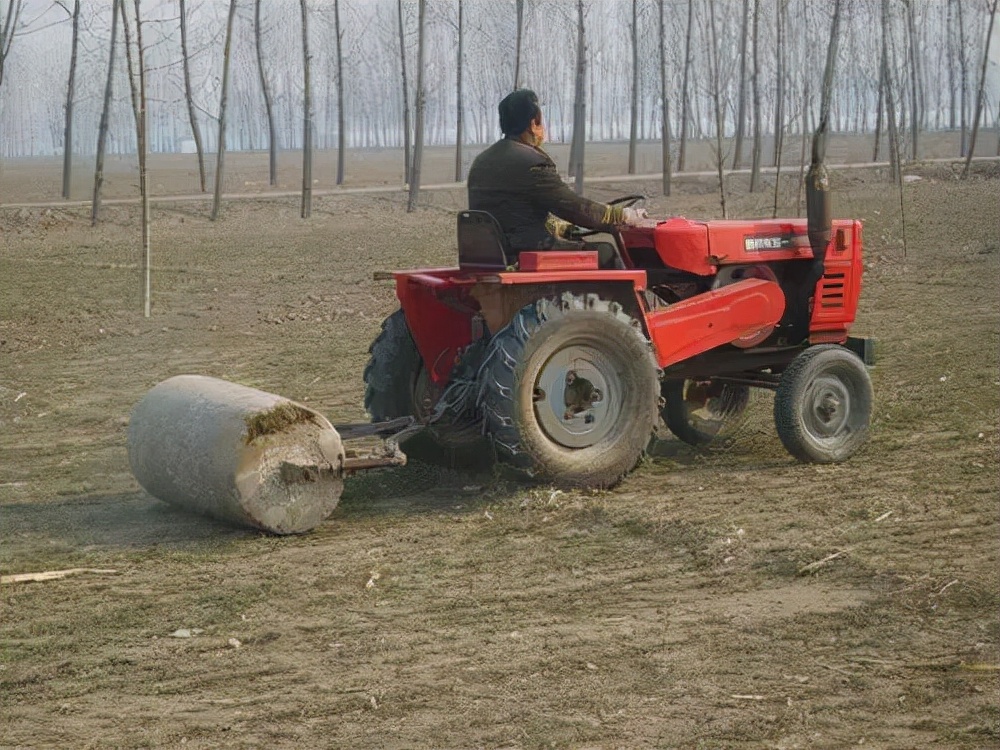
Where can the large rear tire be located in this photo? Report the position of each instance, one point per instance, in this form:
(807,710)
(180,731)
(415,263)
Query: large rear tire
(396,383)
(392,371)
(569,391)
(704,412)
(823,406)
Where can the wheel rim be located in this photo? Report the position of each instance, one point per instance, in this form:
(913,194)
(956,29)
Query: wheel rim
(577,397)
(827,416)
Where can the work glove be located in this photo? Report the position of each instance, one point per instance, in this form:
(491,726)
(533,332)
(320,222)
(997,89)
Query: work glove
(634,216)
(558,228)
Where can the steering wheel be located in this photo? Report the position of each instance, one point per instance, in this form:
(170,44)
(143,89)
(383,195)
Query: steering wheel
(625,200)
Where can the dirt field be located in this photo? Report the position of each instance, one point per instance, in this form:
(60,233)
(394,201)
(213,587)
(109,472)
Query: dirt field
(444,609)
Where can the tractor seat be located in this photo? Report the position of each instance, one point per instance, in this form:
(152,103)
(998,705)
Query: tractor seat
(482,244)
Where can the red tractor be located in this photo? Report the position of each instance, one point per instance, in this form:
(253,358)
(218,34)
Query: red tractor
(568,368)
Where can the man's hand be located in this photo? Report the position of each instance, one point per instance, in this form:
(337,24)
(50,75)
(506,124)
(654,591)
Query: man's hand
(558,228)
(634,216)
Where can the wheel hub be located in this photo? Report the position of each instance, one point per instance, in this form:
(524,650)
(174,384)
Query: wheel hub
(577,395)
(830,407)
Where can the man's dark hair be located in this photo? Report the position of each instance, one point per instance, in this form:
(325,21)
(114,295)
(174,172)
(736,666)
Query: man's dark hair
(517,110)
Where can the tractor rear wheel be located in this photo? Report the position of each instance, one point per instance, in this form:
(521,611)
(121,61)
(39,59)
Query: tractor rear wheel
(823,406)
(703,412)
(396,384)
(392,371)
(569,391)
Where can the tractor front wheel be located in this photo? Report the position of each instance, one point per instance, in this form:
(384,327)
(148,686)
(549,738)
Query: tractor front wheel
(823,405)
(569,391)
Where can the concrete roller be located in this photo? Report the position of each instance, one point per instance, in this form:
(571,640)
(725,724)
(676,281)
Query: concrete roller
(241,455)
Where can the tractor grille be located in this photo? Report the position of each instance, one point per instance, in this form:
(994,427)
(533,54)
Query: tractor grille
(832,290)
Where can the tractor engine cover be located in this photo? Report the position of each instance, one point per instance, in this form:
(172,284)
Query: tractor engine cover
(235,453)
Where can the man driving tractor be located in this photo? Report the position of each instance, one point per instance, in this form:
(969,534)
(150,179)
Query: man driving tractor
(517,182)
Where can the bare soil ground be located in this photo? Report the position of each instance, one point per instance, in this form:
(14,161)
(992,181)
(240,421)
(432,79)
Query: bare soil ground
(438,608)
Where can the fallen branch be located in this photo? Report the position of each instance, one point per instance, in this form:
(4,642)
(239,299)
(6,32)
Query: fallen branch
(51,575)
(748,697)
(812,567)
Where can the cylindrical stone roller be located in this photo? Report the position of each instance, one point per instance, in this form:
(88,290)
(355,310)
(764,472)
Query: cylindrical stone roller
(236,453)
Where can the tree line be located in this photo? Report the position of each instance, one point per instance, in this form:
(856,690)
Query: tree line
(212,75)
(54,55)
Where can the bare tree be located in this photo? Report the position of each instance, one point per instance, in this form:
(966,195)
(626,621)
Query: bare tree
(685,82)
(963,66)
(70,91)
(755,93)
(519,10)
(137,88)
(715,91)
(221,152)
(914,78)
(890,103)
(779,83)
(341,122)
(981,91)
(189,97)
(634,126)
(102,130)
(406,95)
(272,138)
(9,24)
(579,103)
(741,114)
(418,133)
(664,102)
(307,116)
(459,99)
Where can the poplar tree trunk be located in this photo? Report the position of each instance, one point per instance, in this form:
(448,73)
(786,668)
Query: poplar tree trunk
(665,103)
(890,104)
(685,105)
(741,114)
(779,83)
(189,98)
(519,9)
(102,129)
(914,81)
(879,113)
(755,92)
(307,116)
(634,127)
(341,121)
(418,133)
(272,136)
(146,264)
(221,153)
(406,97)
(579,103)
(963,107)
(716,95)
(70,90)
(137,89)
(459,100)
(7,30)
(981,91)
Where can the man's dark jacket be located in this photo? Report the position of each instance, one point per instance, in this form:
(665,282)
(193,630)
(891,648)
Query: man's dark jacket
(520,186)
